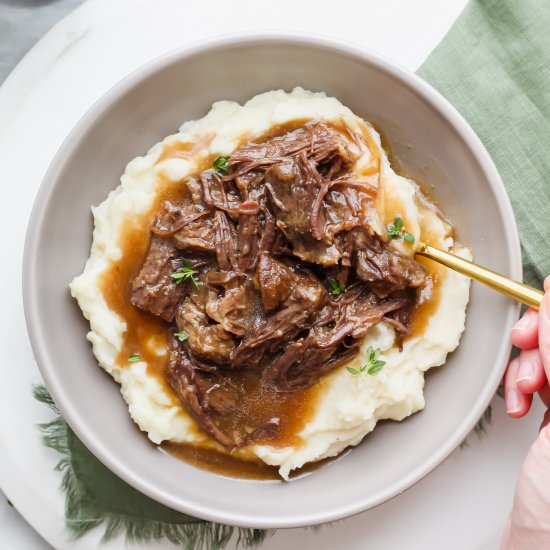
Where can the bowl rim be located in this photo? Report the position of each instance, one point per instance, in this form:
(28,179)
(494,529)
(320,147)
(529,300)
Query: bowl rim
(44,195)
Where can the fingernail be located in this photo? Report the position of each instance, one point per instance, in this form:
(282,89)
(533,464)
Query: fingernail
(522,324)
(512,402)
(526,371)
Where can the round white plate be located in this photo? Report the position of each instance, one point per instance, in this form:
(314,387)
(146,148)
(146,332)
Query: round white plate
(462,505)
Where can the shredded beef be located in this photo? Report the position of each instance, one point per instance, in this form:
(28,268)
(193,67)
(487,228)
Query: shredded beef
(263,246)
(292,191)
(384,269)
(153,289)
(207,341)
(206,395)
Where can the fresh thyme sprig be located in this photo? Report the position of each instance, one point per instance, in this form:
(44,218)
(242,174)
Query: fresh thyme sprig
(184,273)
(396,231)
(181,336)
(336,288)
(373,363)
(220,165)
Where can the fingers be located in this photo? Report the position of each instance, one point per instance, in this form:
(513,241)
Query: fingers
(525,333)
(531,376)
(529,373)
(517,403)
(544,329)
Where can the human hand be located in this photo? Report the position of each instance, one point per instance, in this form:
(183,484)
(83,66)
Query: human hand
(530,371)
(528,526)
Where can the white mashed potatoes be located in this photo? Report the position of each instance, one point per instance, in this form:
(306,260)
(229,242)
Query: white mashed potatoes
(350,406)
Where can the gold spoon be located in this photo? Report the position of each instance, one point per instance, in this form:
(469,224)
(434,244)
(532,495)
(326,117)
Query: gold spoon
(518,291)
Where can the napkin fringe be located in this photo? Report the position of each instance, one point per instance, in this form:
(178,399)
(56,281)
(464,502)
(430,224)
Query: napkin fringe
(197,536)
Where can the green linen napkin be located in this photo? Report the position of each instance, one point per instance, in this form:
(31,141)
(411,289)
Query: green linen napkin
(95,496)
(494,66)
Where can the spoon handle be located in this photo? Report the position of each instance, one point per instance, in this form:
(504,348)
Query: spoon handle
(518,291)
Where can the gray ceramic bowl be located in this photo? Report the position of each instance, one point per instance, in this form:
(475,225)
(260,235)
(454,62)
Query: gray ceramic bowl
(435,144)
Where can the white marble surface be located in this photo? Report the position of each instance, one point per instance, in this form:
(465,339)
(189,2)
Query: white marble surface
(462,505)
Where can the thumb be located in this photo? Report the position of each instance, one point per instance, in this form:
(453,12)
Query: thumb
(544,328)
(528,527)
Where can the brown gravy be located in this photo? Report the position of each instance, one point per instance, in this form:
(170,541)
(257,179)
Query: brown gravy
(425,309)
(146,334)
(227,465)
(429,302)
